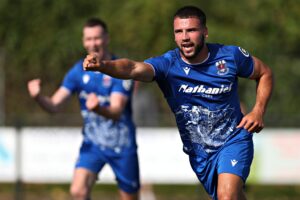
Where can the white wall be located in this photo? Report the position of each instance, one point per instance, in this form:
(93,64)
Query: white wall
(48,155)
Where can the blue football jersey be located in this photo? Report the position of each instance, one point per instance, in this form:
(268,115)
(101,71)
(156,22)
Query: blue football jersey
(204,96)
(111,136)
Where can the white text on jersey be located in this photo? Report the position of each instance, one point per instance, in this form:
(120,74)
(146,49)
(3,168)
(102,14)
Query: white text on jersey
(202,89)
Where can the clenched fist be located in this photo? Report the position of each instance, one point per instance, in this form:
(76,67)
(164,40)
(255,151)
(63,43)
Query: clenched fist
(92,62)
(34,87)
(92,102)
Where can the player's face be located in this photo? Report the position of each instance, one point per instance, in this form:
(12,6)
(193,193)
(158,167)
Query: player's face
(95,39)
(189,36)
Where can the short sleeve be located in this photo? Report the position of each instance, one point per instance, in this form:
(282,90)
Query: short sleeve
(124,87)
(160,65)
(70,81)
(244,62)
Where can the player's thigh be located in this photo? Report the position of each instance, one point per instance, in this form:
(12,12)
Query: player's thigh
(83,180)
(236,158)
(206,171)
(230,186)
(126,169)
(234,162)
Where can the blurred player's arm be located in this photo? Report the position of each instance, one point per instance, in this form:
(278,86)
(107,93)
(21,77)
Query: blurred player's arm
(113,111)
(120,68)
(51,104)
(253,121)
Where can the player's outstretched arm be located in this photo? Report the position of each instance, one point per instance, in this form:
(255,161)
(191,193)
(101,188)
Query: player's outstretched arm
(50,104)
(120,68)
(253,121)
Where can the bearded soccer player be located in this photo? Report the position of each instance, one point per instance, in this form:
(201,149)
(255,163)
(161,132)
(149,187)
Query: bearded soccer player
(199,81)
(109,132)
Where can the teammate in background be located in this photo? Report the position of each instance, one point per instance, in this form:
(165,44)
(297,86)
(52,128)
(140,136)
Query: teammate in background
(108,131)
(199,82)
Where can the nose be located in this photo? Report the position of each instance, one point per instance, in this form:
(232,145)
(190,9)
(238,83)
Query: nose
(185,35)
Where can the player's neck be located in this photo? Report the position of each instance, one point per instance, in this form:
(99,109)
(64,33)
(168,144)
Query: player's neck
(200,58)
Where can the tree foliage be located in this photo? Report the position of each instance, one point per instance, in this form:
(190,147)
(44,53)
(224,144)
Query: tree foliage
(43,39)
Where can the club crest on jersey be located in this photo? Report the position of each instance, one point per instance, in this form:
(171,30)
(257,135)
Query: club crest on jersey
(244,52)
(106,81)
(186,70)
(85,78)
(221,67)
(127,84)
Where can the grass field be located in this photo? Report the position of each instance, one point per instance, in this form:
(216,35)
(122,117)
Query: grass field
(161,192)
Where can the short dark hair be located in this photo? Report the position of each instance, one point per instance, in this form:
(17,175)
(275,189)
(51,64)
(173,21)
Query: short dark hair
(191,11)
(92,22)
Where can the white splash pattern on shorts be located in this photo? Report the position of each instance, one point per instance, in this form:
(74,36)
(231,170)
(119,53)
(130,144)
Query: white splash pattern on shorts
(105,133)
(209,129)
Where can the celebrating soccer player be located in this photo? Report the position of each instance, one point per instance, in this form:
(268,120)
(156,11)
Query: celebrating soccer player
(109,132)
(199,81)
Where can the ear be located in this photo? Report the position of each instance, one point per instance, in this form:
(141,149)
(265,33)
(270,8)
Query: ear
(205,32)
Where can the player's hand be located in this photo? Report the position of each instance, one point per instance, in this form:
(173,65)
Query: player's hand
(91,62)
(92,102)
(252,122)
(34,87)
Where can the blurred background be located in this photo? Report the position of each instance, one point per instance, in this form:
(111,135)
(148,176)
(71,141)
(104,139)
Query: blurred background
(42,39)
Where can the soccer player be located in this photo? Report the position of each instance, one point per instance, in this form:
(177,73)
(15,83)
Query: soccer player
(199,81)
(108,131)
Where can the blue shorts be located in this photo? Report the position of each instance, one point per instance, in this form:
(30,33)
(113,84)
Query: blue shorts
(234,157)
(124,166)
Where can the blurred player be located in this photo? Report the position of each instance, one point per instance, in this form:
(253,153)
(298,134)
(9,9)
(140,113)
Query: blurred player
(199,82)
(109,135)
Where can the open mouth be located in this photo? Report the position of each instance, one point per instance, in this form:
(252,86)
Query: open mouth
(187,46)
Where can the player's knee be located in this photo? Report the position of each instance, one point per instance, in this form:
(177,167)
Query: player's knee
(227,194)
(128,196)
(78,193)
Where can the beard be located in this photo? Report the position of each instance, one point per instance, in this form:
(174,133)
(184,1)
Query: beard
(198,48)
